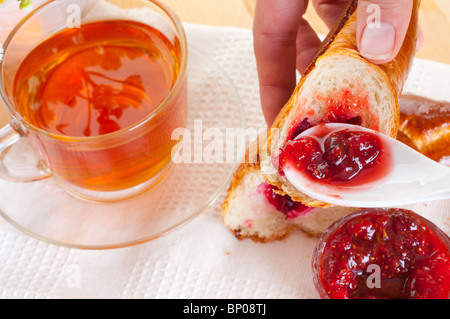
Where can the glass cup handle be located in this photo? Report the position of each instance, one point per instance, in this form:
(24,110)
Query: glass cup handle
(18,161)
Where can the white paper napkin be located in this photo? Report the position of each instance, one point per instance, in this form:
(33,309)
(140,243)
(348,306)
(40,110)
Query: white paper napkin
(202,259)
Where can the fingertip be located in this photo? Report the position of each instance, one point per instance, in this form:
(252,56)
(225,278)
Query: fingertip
(378,43)
(381,28)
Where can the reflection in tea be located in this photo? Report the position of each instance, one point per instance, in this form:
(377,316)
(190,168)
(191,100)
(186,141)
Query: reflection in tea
(98,79)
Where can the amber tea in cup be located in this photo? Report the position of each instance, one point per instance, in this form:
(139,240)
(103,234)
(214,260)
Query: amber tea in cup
(95,80)
(99,101)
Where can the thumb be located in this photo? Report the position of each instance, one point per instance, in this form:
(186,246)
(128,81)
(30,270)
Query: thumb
(381,27)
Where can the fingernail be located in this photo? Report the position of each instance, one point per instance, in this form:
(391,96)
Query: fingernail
(377,41)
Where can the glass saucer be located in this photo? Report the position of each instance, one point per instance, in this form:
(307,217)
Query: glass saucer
(45,211)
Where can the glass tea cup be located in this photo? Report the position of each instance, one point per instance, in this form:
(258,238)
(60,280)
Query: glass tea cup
(96,88)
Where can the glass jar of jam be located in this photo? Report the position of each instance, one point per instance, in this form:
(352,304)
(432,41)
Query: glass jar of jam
(382,253)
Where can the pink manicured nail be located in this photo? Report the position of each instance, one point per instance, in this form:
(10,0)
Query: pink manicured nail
(377,41)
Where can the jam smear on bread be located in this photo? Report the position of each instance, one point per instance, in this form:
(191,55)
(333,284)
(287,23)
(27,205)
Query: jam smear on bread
(284,203)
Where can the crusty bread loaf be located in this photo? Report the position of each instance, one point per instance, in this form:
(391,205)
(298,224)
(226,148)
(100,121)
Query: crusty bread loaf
(340,86)
(247,213)
(426,123)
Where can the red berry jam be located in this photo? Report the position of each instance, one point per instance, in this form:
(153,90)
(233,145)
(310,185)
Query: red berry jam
(342,106)
(339,158)
(306,123)
(284,203)
(383,254)
(299,128)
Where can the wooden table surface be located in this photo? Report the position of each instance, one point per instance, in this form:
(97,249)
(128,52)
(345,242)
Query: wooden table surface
(434,20)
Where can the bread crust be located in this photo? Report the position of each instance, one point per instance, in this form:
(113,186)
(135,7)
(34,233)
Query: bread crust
(341,41)
(426,123)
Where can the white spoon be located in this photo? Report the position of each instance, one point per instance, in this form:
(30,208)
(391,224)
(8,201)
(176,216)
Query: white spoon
(413,178)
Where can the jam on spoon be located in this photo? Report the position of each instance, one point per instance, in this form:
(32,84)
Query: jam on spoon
(343,157)
(349,165)
(409,255)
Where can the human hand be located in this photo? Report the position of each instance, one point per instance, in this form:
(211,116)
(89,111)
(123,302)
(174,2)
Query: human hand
(285,42)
